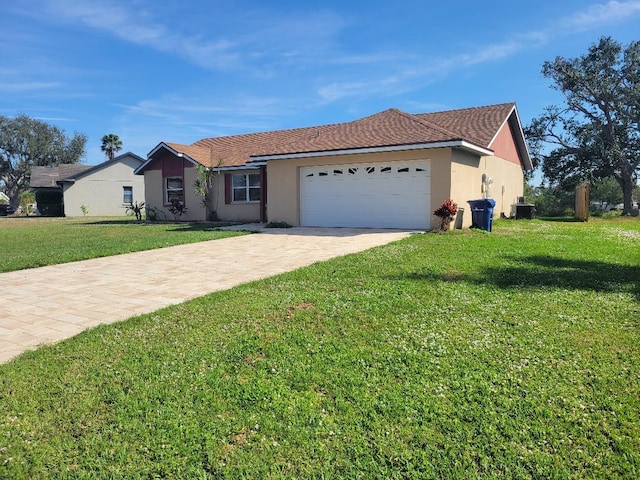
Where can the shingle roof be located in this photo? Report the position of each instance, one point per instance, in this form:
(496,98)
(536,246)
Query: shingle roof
(48,176)
(477,126)
(87,170)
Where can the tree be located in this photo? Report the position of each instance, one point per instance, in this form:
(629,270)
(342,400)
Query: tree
(111,144)
(596,134)
(26,142)
(204,186)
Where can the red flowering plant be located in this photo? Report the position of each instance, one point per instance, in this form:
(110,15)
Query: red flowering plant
(446,212)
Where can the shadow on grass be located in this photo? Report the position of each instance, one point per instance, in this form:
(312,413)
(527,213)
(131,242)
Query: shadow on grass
(542,271)
(199,226)
(561,219)
(123,221)
(171,225)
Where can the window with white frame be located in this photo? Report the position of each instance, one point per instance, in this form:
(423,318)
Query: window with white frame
(246,187)
(127,195)
(174,190)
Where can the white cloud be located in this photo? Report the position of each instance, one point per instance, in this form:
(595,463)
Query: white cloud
(602,13)
(229,40)
(410,78)
(27,86)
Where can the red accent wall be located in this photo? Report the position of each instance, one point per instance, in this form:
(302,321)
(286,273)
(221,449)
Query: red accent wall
(504,145)
(227,188)
(171,166)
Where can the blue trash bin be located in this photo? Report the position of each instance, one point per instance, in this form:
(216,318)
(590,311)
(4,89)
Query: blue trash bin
(482,213)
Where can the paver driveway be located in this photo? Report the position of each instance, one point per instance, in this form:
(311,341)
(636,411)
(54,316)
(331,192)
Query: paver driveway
(84,294)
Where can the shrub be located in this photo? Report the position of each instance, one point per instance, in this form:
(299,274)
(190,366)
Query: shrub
(136,209)
(177,209)
(446,212)
(277,225)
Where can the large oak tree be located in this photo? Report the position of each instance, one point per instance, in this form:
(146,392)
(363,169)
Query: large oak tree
(26,142)
(596,133)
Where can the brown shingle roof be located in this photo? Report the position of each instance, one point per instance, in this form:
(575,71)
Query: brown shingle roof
(478,125)
(48,176)
(392,127)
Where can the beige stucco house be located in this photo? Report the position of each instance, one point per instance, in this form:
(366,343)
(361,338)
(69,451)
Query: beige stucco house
(106,189)
(388,170)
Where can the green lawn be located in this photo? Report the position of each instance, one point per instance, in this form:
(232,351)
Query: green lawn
(514,354)
(35,242)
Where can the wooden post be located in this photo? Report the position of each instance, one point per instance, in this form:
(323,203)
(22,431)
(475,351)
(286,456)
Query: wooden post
(582,202)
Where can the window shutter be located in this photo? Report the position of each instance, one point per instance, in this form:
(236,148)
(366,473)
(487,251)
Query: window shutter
(227,188)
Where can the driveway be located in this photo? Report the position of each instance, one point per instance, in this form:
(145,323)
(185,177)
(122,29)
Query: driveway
(48,304)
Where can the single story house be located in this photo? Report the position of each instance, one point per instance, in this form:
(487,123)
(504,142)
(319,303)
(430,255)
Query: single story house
(387,170)
(105,189)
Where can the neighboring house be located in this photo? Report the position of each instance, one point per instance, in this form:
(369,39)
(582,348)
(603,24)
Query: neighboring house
(388,170)
(44,183)
(104,190)
(4,198)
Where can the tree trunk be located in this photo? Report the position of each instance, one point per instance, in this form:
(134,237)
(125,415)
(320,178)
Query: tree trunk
(626,183)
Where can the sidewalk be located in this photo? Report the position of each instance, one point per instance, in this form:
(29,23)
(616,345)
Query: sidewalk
(49,304)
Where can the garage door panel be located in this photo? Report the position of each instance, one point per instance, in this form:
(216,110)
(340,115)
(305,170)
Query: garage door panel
(386,195)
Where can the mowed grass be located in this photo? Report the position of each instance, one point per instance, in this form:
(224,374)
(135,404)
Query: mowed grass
(36,242)
(514,354)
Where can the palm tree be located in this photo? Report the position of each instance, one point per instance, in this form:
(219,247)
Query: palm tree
(111,144)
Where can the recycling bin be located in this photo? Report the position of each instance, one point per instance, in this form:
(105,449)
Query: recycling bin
(482,213)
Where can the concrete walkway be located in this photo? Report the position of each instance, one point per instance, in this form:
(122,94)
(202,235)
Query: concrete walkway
(49,304)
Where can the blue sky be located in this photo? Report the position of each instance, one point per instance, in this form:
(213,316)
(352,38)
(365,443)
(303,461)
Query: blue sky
(154,70)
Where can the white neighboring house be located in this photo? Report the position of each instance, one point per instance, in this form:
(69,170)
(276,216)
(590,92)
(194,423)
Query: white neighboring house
(4,198)
(106,189)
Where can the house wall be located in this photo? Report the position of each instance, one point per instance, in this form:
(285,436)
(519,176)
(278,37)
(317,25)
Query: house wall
(507,175)
(234,212)
(154,194)
(102,191)
(167,164)
(455,174)
(466,174)
(283,194)
(466,182)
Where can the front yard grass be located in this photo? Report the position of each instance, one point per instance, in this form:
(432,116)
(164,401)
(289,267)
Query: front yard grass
(36,242)
(514,354)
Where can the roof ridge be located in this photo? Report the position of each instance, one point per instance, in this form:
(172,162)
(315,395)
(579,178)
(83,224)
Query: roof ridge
(478,107)
(428,124)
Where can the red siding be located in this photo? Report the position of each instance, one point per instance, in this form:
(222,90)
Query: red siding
(227,188)
(504,145)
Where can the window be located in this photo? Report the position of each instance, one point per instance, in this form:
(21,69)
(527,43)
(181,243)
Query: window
(174,190)
(246,187)
(127,195)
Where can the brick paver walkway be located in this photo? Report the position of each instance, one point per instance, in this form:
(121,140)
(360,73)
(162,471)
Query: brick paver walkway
(52,303)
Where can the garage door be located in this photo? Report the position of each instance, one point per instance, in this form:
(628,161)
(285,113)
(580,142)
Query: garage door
(373,195)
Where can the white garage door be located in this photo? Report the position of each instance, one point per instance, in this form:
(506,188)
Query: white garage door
(372,195)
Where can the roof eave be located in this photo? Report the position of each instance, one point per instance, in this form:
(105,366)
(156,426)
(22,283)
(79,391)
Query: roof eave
(250,165)
(458,144)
